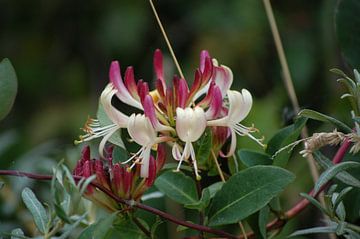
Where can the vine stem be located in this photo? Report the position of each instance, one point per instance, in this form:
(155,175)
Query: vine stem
(130,203)
(277,223)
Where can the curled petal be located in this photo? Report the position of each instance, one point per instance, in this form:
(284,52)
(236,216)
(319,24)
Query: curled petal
(232,146)
(114,115)
(122,92)
(145,163)
(240,104)
(223,78)
(176,152)
(141,130)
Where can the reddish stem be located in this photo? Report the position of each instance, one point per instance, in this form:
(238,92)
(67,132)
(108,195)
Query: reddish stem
(130,203)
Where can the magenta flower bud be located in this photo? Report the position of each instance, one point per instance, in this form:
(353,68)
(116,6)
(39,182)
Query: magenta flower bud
(160,88)
(152,172)
(87,172)
(117,179)
(183,93)
(128,181)
(130,83)
(160,157)
(158,67)
(101,176)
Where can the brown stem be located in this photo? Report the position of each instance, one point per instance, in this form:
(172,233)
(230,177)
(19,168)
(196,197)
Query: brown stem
(130,203)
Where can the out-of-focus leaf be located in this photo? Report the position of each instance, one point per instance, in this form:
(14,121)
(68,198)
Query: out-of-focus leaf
(8,87)
(234,202)
(283,138)
(347,29)
(332,172)
(155,226)
(1,184)
(17,234)
(104,121)
(251,158)
(258,221)
(36,209)
(104,226)
(341,196)
(312,114)
(314,230)
(340,208)
(314,202)
(125,228)
(88,232)
(344,177)
(177,186)
(72,227)
(119,155)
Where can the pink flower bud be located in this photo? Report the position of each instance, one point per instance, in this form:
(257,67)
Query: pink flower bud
(160,157)
(152,172)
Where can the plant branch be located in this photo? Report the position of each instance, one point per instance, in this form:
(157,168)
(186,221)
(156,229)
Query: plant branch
(302,204)
(130,203)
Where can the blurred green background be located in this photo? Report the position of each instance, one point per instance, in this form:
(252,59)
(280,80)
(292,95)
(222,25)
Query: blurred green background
(62,49)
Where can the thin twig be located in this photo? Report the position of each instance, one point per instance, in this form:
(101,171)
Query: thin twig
(166,39)
(287,80)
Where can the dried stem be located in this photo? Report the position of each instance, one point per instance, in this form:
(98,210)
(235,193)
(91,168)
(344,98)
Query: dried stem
(166,39)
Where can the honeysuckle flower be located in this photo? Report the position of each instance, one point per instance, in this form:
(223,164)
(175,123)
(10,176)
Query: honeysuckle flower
(239,107)
(190,125)
(142,132)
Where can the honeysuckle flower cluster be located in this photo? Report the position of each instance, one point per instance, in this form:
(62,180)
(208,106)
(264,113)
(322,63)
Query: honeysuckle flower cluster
(176,114)
(116,177)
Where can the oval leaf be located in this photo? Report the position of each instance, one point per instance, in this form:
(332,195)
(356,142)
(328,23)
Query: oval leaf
(36,209)
(8,87)
(246,192)
(177,186)
(252,158)
(332,172)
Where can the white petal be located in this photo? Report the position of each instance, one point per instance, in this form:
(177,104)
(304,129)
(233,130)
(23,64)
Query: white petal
(144,170)
(240,105)
(141,130)
(190,123)
(232,145)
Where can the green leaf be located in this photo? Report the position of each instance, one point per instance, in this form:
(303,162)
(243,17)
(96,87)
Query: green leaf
(246,192)
(252,158)
(1,184)
(258,221)
(203,149)
(8,87)
(314,202)
(177,186)
(332,172)
(88,232)
(119,155)
(36,209)
(341,196)
(340,208)
(104,121)
(283,138)
(311,114)
(347,30)
(125,228)
(314,230)
(72,227)
(103,227)
(206,195)
(344,177)
(17,234)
